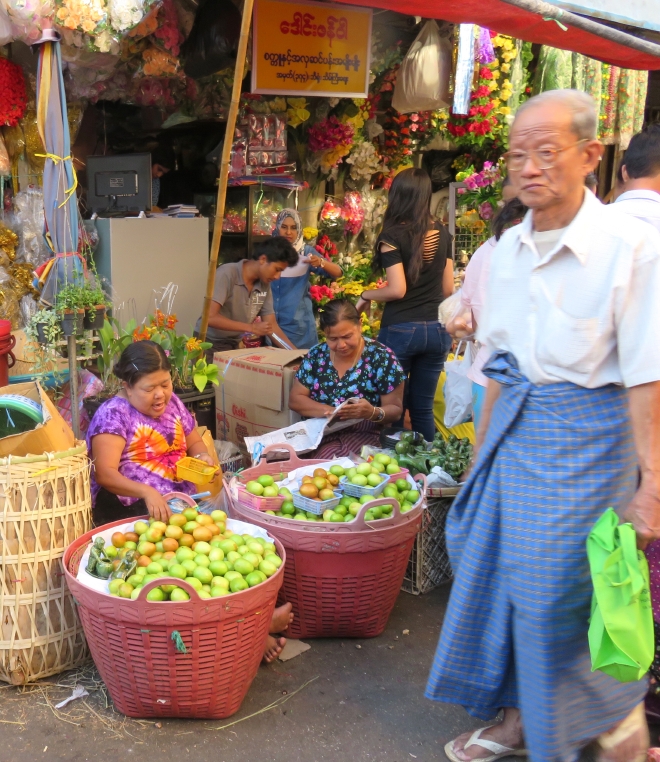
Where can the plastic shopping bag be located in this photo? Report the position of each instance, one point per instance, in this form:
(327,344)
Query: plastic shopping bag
(621,637)
(423,80)
(458,388)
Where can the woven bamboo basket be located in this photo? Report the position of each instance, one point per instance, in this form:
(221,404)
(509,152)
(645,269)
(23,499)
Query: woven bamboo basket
(45,504)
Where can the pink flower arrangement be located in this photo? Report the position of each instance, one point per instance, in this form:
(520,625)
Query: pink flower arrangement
(328,134)
(321,294)
(168,33)
(353,212)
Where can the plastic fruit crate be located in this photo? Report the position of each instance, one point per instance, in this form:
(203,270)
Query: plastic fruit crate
(402,474)
(196,658)
(314,506)
(259,503)
(195,470)
(354,490)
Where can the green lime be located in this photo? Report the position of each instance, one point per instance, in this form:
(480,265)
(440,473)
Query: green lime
(253,579)
(203,574)
(266,481)
(268,568)
(236,585)
(179,595)
(243,567)
(156,595)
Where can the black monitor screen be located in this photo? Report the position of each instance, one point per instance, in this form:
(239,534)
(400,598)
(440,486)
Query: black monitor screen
(119,183)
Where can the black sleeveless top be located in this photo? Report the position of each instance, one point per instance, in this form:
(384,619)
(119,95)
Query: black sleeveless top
(423,297)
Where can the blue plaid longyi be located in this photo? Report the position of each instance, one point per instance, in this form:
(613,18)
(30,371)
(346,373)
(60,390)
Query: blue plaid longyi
(515,632)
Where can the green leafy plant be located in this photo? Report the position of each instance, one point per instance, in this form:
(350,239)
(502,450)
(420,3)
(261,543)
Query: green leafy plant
(93,296)
(113,340)
(44,357)
(203,373)
(70,298)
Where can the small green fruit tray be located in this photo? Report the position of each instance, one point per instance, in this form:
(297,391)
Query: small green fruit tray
(354,490)
(314,506)
(259,503)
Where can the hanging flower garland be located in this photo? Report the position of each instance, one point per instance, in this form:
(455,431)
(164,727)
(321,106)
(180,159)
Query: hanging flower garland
(480,122)
(13,95)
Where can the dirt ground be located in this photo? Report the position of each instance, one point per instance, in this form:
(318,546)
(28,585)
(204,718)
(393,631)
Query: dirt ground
(365,702)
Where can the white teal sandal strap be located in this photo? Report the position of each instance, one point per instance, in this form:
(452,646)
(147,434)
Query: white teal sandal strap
(493,746)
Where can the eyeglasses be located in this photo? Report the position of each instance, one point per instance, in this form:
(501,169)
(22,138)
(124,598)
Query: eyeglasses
(542,158)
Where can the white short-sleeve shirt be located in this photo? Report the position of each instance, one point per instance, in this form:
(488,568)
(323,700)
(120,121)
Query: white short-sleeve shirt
(588,310)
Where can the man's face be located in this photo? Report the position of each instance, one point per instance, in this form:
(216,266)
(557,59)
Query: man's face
(546,128)
(270,271)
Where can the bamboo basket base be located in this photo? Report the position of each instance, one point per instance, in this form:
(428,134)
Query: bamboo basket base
(45,504)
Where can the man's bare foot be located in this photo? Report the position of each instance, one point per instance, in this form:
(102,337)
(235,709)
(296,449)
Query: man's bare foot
(273,648)
(282,618)
(509,733)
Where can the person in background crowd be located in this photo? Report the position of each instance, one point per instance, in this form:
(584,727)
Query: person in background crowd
(162,162)
(415,253)
(640,173)
(591,181)
(346,366)
(572,406)
(291,299)
(473,293)
(242,303)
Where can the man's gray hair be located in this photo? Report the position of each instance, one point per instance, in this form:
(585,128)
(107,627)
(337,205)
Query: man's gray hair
(584,122)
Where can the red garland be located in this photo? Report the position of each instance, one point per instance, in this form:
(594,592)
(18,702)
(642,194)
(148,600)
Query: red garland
(13,97)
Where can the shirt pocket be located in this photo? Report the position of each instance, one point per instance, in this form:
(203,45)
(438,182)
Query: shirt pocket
(566,341)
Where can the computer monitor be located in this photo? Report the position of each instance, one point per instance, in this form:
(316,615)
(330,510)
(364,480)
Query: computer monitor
(119,184)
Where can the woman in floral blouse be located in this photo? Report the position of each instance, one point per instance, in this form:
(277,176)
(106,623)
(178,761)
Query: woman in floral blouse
(348,367)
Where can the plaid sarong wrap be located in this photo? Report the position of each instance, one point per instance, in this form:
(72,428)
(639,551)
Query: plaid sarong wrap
(515,632)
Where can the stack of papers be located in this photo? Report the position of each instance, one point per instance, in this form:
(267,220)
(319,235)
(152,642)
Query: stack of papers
(181,210)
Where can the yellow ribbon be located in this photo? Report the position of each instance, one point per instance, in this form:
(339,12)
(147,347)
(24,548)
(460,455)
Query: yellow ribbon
(56,160)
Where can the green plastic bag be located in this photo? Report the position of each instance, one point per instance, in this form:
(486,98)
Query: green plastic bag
(621,629)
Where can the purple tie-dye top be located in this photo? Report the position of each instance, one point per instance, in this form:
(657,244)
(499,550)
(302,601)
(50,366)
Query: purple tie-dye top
(153,445)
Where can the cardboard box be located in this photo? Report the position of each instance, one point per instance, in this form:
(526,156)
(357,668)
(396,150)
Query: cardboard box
(253,396)
(53,435)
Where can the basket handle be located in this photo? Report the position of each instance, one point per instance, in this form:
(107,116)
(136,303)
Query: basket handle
(168,581)
(395,518)
(293,459)
(422,479)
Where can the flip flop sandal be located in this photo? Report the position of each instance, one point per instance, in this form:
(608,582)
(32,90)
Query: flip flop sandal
(634,724)
(499,751)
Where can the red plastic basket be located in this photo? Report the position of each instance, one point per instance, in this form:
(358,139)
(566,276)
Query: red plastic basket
(259,503)
(145,671)
(341,579)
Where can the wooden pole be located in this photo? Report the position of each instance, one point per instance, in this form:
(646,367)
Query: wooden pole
(232,117)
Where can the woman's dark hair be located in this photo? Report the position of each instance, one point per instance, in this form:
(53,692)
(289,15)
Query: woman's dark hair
(511,212)
(140,359)
(336,311)
(409,204)
(276,249)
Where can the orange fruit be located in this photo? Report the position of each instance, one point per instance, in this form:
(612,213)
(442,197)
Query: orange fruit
(146,549)
(143,561)
(213,529)
(169,554)
(203,519)
(174,532)
(307,480)
(186,540)
(320,472)
(202,534)
(178,520)
(170,545)
(131,537)
(118,539)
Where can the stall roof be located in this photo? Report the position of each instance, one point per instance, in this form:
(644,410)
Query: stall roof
(640,13)
(507,19)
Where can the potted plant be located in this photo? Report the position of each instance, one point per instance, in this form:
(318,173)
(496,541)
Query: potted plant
(44,328)
(95,306)
(70,304)
(113,340)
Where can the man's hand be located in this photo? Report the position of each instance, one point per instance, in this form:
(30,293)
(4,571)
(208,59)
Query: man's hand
(644,514)
(260,329)
(316,261)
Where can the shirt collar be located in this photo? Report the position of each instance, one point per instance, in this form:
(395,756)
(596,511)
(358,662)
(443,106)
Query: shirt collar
(578,235)
(640,193)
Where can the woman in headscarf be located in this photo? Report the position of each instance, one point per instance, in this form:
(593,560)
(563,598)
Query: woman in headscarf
(291,298)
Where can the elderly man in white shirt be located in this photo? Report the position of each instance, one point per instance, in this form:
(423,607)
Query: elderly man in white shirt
(572,409)
(640,171)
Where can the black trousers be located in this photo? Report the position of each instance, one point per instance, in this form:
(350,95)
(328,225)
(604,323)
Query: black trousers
(109,508)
